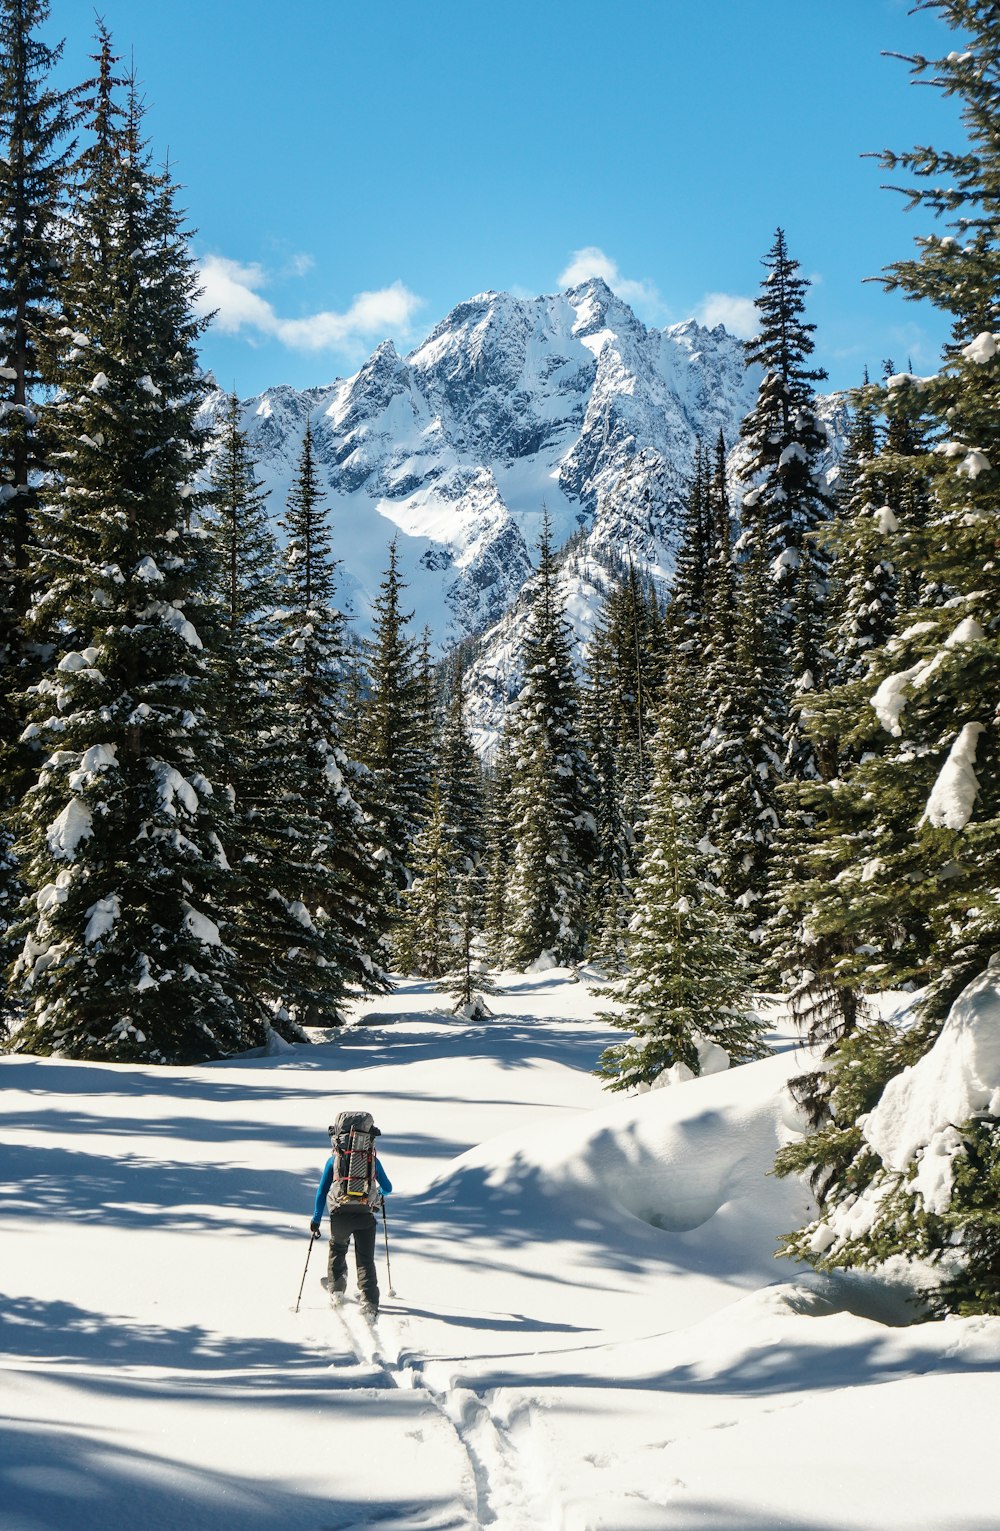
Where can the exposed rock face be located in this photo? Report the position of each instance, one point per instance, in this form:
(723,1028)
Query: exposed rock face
(511,407)
(566,402)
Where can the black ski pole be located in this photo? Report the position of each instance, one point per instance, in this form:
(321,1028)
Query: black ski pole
(312,1240)
(385,1230)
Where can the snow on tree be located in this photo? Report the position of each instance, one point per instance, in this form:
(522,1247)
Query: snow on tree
(921,905)
(124,952)
(552,790)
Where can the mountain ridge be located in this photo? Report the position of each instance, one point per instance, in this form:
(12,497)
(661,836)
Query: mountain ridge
(566,402)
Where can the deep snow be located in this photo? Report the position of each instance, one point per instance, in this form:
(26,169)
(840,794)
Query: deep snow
(590,1329)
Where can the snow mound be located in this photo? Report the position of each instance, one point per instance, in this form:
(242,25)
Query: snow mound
(677,1160)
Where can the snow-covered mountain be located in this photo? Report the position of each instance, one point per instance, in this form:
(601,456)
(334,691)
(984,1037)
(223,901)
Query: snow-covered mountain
(566,403)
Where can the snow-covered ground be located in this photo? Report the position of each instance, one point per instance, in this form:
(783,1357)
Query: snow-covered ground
(590,1330)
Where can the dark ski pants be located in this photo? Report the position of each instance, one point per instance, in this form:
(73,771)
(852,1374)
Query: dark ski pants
(357,1223)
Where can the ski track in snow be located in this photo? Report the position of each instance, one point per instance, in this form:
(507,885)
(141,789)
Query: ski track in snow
(496,1466)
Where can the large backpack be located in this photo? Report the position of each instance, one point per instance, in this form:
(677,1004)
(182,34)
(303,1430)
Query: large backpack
(352,1149)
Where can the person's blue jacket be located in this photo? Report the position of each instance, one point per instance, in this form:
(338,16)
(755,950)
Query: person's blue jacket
(384,1185)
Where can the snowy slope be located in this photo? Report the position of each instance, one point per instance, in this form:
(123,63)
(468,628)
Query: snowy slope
(589,1329)
(566,402)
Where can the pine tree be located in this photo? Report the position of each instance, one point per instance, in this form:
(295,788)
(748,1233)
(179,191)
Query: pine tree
(719,603)
(467,982)
(123,956)
(313,885)
(498,831)
(460,777)
(246,558)
(688,978)
(780,604)
(423,941)
(745,748)
(922,905)
(623,663)
(35,165)
(394,725)
(787,501)
(552,790)
(783,438)
(864,595)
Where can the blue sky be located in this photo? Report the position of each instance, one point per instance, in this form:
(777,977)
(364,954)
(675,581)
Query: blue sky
(354,168)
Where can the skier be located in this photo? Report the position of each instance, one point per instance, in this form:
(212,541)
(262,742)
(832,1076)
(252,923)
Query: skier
(354,1218)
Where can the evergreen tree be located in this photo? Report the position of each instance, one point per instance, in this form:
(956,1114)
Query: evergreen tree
(123,956)
(498,853)
(745,748)
(922,905)
(688,978)
(423,941)
(467,982)
(864,595)
(623,661)
(395,722)
(460,776)
(783,438)
(552,790)
(758,741)
(719,603)
(35,121)
(246,558)
(313,884)
(787,501)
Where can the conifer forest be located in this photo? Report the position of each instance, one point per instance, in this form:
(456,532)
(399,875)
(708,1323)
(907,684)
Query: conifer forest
(223,811)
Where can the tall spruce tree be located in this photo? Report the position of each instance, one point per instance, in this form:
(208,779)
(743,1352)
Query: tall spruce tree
(498,830)
(460,775)
(552,790)
(35,165)
(313,882)
(787,500)
(123,956)
(622,671)
(246,558)
(688,976)
(424,939)
(780,598)
(394,726)
(922,905)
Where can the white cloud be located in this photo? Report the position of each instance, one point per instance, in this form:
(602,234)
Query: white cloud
(739,315)
(232,290)
(592,261)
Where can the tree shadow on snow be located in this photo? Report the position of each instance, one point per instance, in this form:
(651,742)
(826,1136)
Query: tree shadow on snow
(686,1513)
(779,1369)
(62,1333)
(136,1192)
(56,1476)
(507,1041)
